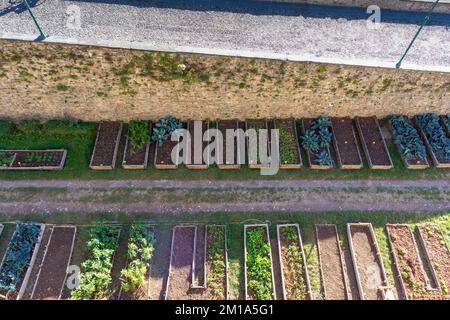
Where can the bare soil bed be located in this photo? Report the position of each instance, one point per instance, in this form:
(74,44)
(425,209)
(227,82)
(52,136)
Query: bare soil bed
(373,143)
(293,264)
(367,261)
(331,263)
(196,151)
(345,144)
(233,163)
(106,145)
(290,154)
(52,274)
(136,159)
(437,253)
(410,272)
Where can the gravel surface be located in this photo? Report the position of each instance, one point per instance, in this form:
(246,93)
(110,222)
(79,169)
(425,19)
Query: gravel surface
(296,32)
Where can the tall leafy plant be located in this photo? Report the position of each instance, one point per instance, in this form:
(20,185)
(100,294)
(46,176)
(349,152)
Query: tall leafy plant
(436,135)
(138,135)
(407,137)
(164,128)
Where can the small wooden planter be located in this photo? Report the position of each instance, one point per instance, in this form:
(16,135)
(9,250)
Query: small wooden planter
(26,278)
(358,164)
(128,166)
(237,156)
(15,153)
(384,287)
(310,156)
(165,166)
(305,268)
(266,226)
(257,165)
(113,154)
(414,164)
(192,165)
(436,162)
(299,164)
(384,148)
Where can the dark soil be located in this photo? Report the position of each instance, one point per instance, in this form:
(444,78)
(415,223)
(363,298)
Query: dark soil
(367,262)
(256,124)
(371,136)
(164,152)
(53,271)
(136,157)
(438,252)
(119,263)
(288,126)
(204,144)
(223,125)
(32,159)
(344,135)
(333,272)
(105,146)
(159,264)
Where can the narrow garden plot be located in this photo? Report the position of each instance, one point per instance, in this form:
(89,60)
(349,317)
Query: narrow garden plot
(345,144)
(436,140)
(234,163)
(137,145)
(254,147)
(217,262)
(106,146)
(331,261)
(95,279)
(135,276)
(19,259)
(259,279)
(162,133)
(197,130)
(367,262)
(290,155)
(316,141)
(411,274)
(1,229)
(294,272)
(373,143)
(53,270)
(181,268)
(408,142)
(32,159)
(437,254)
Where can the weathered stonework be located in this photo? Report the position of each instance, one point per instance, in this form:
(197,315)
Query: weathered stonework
(54,81)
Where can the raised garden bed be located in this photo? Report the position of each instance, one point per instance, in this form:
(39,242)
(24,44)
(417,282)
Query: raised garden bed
(11,160)
(135,156)
(259,279)
(181,267)
(435,138)
(255,162)
(294,272)
(290,155)
(445,120)
(216,268)
(135,276)
(18,261)
(316,142)
(165,146)
(95,279)
(234,163)
(195,155)
(437,255)
(331,262)
(1,229)
(411,274)
(345,144)
(106,145)
(408,143)
(367,262)
(373,143)
(52,273)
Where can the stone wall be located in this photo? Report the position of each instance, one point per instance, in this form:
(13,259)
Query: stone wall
(56,81)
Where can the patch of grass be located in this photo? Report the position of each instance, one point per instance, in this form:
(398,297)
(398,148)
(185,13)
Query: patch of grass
(62,87)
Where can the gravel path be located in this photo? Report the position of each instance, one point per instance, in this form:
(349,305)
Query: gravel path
(272,30)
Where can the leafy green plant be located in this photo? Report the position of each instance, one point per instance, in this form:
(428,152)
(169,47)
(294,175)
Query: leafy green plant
(95,281)
(436,136)
(288,146)
(138,135)
(164,128)
(259,264)
(407,138)
(324,159)
(6,159)
(310,141)
(318,139)
(140,250)
(215,258)
(6,127)
(446,120)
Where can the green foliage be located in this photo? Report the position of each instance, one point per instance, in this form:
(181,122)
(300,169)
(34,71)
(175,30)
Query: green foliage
(259,264)
(446,120)
(310,141)
(30,127)
(407,138)
(436,136)
(95,281)
(18,256)
(6,159)
(6,127)
(323,159)
(140,249)
(215,258)
(164,128)
(64,127)
(317,141)
(288,146)
(138,135)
